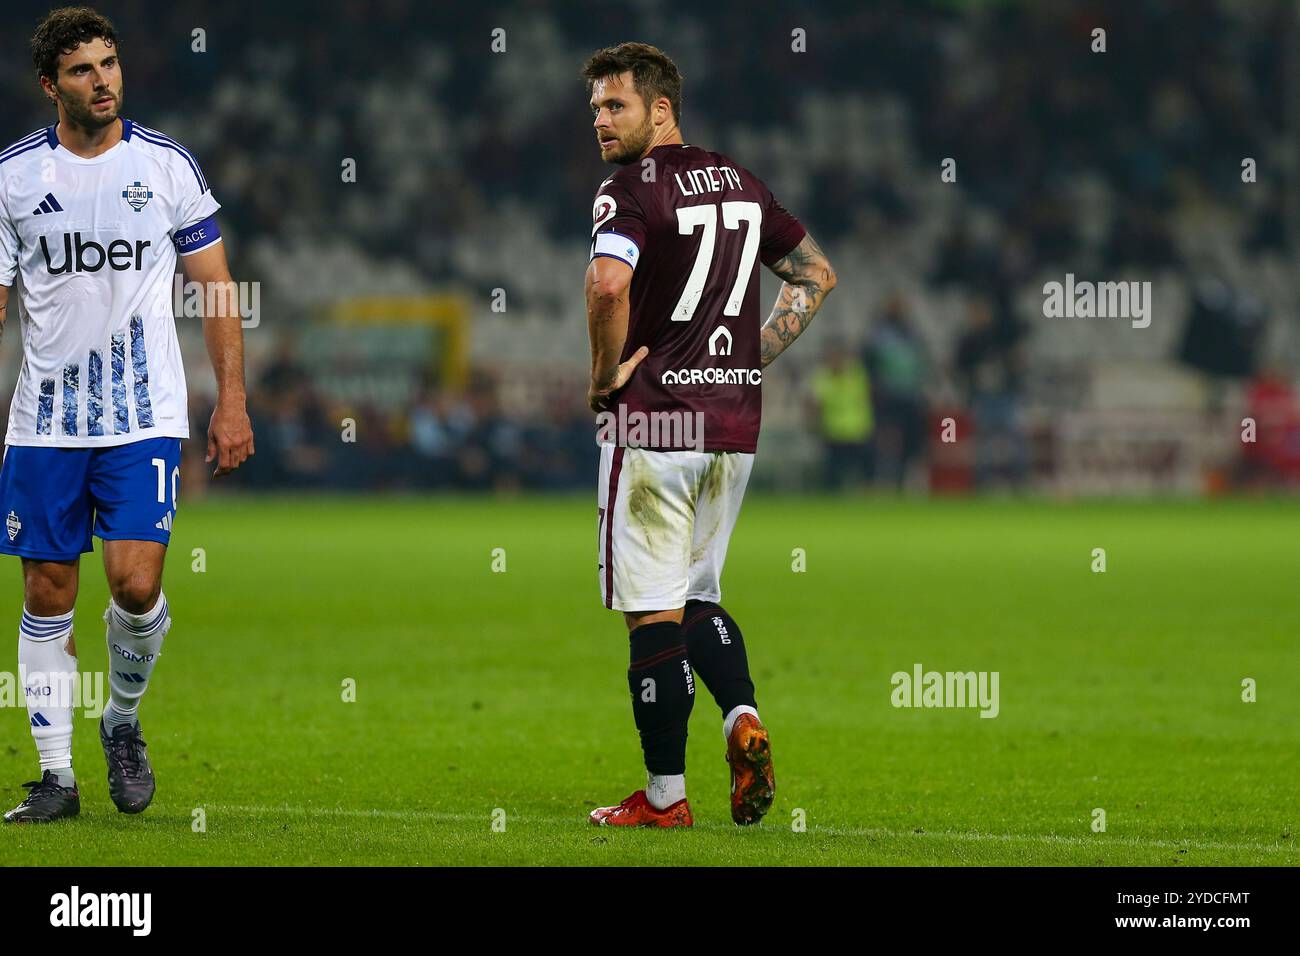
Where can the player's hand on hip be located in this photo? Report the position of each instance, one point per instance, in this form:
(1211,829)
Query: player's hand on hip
(600,393)
(230,437)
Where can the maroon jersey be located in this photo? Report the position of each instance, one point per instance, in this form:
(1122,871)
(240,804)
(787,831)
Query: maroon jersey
(693,226)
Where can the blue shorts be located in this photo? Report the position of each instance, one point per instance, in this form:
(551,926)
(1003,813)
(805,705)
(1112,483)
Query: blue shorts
(53,499)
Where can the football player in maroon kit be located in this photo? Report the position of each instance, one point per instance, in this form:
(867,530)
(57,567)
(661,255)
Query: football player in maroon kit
(677,360)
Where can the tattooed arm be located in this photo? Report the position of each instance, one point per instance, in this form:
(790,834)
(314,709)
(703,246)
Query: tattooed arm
(809,278)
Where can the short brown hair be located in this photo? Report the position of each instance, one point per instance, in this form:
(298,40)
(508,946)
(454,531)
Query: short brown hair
(65,29)
(653,73)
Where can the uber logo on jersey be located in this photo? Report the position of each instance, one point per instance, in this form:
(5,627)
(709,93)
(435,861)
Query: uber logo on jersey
(89,256)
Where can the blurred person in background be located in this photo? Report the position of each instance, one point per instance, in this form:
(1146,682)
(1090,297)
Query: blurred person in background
(988,363)
(434,438)
(896,362)
(294,422)
(841,388)
(1273,458)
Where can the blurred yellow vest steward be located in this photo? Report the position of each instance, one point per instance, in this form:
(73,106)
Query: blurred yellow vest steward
(844,402)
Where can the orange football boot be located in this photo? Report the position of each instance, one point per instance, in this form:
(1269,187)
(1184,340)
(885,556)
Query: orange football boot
(636,811)
(753,784)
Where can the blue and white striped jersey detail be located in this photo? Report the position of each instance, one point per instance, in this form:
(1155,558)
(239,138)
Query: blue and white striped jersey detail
(32,140)
(158,139)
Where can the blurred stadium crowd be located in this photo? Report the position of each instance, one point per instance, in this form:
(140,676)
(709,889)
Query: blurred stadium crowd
(475,171)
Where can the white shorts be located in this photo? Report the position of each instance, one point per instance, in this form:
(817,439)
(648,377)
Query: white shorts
(665,518)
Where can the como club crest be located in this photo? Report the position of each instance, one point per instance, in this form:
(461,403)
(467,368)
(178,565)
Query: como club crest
(137,195)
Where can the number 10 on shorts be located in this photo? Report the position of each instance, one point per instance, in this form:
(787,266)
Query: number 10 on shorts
(161,465)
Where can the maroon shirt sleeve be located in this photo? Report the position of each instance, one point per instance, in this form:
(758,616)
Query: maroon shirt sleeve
(618,223)
(781,232)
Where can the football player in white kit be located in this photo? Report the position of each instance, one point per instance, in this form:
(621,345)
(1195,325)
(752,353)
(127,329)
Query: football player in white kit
(93,213)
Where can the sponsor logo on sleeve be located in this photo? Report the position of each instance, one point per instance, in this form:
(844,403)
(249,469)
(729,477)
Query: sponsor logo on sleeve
(602,212)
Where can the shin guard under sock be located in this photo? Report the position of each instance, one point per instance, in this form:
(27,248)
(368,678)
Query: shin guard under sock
(717,652)
(663,690)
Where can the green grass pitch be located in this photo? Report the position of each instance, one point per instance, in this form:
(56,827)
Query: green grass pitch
(487,697)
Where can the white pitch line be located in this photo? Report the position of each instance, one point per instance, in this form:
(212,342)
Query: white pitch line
(1098,843)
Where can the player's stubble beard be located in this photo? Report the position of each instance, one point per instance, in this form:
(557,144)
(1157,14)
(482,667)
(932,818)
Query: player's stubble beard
(80,114)
(633,144)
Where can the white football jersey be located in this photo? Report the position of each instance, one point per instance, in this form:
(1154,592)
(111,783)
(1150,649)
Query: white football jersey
(93,243)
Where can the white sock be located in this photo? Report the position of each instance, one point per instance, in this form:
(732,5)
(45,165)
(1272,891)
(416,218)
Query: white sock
(664,791)
(134,644)
(48,673)
(729,722)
